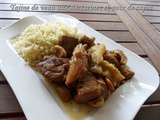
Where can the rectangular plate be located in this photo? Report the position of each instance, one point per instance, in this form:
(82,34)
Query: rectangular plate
(34,97)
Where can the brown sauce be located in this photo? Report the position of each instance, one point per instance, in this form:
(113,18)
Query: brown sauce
(73,110)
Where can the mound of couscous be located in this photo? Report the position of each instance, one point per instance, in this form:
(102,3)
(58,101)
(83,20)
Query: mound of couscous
(37,41)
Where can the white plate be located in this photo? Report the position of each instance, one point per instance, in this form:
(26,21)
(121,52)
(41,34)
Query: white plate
(37,102)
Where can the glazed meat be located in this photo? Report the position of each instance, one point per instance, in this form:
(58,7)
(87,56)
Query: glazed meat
(78,65)
(104,90)
(119,59)
(125,70)
(111,58)
(63,92)
(89,88)
(109,84)
(68,43)
(59,51)
(98,102)
(54,68)
(87,40)
(112,73)
(97,51)
(116,57)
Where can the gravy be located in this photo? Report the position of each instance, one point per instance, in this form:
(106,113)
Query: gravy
(72,109)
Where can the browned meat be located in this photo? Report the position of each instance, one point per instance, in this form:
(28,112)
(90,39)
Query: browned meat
(59,51)
(98,102)
(78,65)
(109,84)
(121,57)
(126,72)
(54,68)
(68,43)
(76,70)
(80,54)
(116,57)
(89,88)
(111,58)
(63,92)
(112,73)
(86,40)
(105,92)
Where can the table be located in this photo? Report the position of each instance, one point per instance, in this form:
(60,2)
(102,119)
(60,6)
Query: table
(137,28)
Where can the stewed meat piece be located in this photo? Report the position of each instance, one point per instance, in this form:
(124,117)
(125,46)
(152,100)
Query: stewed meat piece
(54,68)
(127,72)
(98,102)
(89,88)
(59,51)
(104,89)
(116,57)
(87,40)
(105,92)
(112,73)
(68,43)
(96,53)
(111,58)
(63,92)
(78,65)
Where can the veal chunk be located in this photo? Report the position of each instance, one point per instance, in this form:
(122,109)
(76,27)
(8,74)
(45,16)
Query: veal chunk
(87,89)
(78,65)
(54,68)
(63,92)
(68,43)
(87,40)
(98,102)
